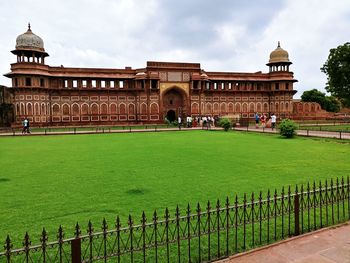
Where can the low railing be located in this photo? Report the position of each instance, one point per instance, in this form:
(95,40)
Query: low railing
(203,234)
(97,129)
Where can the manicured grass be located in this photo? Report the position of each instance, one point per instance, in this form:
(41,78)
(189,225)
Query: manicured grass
(53,180)
(342,127)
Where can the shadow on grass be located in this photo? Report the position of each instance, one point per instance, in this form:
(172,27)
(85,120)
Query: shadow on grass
(4,180)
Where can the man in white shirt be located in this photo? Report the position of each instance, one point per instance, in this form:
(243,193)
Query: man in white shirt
(179,122)
(273,121)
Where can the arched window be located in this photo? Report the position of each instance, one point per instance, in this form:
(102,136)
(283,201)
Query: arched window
(282,106)
(230,107)
(122,109)
(104,108)
(94,109)
(266,107)
(216,108)
(143,108)
(258,107)
(56,110)
(113,108)
(43,109)
(131,109)
(36,109)
(154,108)
(208,108)
(238,107)
(195,108)
(245,107)
(75,110)
(29,109)
(84,109)
(65,109)
(223,108)
(277,107)
(251,107)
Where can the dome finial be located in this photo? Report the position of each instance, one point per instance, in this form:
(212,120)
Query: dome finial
(29,27)
(279,44)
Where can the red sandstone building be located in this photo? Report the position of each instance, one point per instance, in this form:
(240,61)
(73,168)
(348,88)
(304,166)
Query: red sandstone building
(95,96)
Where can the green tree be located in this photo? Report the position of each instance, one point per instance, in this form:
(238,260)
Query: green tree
(332,104)
(337,69)
(313,95)
(328,103)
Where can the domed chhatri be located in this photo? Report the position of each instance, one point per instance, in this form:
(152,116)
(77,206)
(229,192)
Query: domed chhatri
(279,60)
(29,41)
(279,55)
(30,48)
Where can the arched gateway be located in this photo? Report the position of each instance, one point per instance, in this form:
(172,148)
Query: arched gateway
(174,104)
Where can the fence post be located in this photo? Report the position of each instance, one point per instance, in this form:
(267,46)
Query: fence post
(199,231)
(26,245)
(340,135)
(8,247)
(296,212)
(208,229)
(177,214)
(43,240)
(131,225)
(144,221)
(155,222)
(167,234)
(188,222)
(76,246)
(117,226)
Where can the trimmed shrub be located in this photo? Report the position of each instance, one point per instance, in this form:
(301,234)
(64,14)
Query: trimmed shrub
(225,123)
(287,128)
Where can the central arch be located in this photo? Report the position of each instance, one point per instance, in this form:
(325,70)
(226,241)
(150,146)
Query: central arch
(174,103)
(171,115)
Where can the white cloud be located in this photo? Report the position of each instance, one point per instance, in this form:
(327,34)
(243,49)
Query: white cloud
(230,36)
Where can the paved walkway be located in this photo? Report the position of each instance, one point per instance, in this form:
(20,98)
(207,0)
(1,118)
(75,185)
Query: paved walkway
(329,245)
(99,130)
(325,134)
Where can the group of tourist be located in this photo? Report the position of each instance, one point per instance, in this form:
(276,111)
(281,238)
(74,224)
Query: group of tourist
(263,119)
(198,121)
(25,124)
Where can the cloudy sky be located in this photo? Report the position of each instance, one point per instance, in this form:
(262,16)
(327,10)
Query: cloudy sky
(222,35)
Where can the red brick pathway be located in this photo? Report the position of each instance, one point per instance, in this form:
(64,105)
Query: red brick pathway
(331,245)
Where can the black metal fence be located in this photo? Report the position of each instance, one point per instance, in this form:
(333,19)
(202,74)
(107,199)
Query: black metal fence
(201,234)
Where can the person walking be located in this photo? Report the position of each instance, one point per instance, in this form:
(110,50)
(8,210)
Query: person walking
(28,126)
(25,125)
(257,119)
(273,121)
(179,122)
(263,120)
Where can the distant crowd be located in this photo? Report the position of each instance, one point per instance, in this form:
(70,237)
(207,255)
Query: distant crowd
(265,121)
(197,121)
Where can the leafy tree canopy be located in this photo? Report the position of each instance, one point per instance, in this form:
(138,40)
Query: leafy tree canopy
(337,69)
(328,103)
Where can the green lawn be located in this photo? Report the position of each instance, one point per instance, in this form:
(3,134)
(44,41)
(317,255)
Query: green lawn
(342,127)
(53,180)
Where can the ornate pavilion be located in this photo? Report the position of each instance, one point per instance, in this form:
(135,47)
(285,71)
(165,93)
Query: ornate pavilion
(50,95)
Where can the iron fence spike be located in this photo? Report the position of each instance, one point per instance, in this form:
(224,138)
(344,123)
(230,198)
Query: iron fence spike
(130,222)
(198,208)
